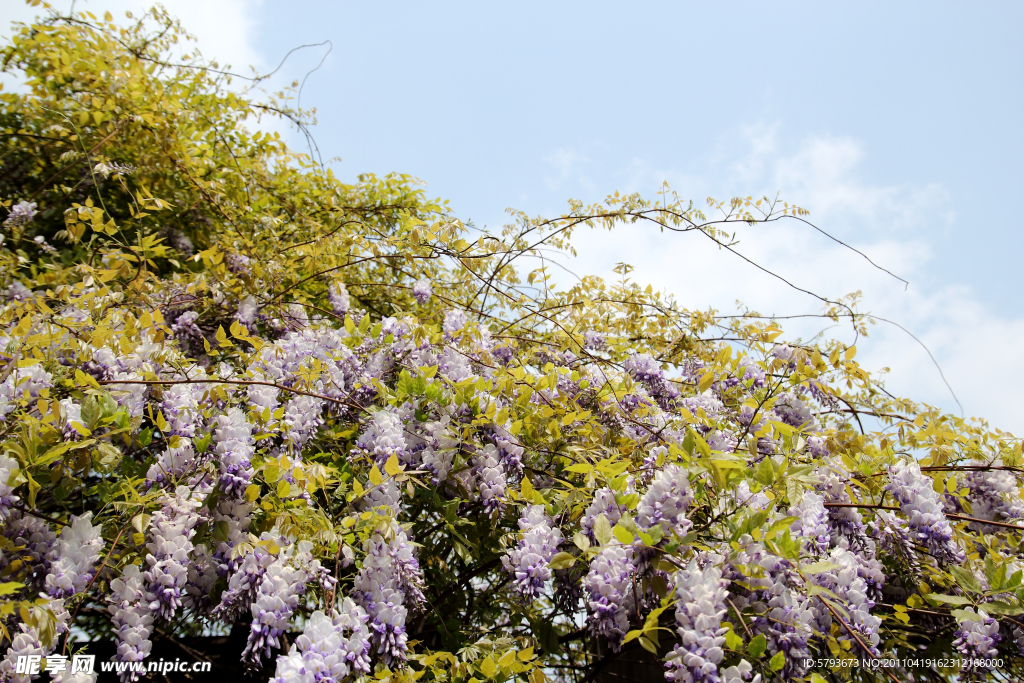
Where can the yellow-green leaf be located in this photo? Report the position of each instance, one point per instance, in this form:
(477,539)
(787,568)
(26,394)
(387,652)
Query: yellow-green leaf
(392,467)
(375,476)
(562,561)
(602,530)
(488,668)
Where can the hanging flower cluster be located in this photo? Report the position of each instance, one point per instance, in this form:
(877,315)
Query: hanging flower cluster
(529,562)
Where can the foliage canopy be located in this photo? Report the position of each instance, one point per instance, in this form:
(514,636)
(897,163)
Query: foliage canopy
(238,393)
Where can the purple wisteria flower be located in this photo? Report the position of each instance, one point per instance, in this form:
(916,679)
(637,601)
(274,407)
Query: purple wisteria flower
(28,641)
(893,535)
(438,449)
(593,341)
(170,548)
(237,263)
(233,518)
(71,413)
(389,583)
(924,511)
(700,606)
(384,437)
(21,213)
(646,370)
(131,395)
(454,321)
(328,649)
(666,501)
(788,625)
(8,466)
(188,333)
(812,522)
(31,540)
(234,450)
(337,296)
(23,383)
(131,618)
(490,478)
(277,596)
(181,405)
(302,418)
(203,572)
(247,310)
(173,462)
(422,291)
(73,557)
(994,496)
(793,410)
(976,641)
(603,504)
(609,585)
(244,579)
(853,592)
(528,561)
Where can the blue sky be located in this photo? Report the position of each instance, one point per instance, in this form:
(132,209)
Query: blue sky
(896,124)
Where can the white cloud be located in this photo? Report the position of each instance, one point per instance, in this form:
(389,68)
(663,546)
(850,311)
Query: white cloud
(894,225)
(569,169)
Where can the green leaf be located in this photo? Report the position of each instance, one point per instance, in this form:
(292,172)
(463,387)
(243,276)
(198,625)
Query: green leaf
(141,522)
(107,456)
(602,530)
(966,579)
(757,645)
(701,445)
(948,599)
(765,473)
(562,561)
(53,454)
(777,662)
(967,615)
(392,466)
(90,411)
(487,667)
(376,478)
(33,491)
(108,406)
(10,587)
(622,535)
(818,567)
(733,641)
(202,442)
(1000,607)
